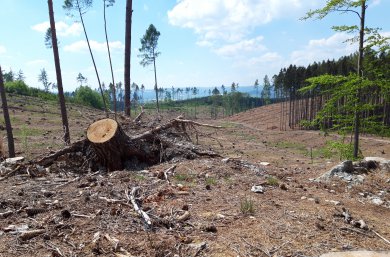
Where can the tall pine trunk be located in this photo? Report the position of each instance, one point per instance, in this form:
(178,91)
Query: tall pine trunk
(61,97)
(10,137)
(155,82)
(129,14)
(93,59)
(109,57)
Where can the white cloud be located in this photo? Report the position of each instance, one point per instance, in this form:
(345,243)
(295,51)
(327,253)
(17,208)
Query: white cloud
(267,59)
(204,43)
(232,20)
(37,62)
(81,46)
(3,50)
(242,47)
(62,28)
(332,47)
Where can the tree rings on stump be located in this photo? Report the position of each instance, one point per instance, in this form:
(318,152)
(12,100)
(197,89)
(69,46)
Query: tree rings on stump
(102,130)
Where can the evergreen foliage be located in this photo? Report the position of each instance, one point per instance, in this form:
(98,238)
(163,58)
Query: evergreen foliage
(86,96)
(149,53)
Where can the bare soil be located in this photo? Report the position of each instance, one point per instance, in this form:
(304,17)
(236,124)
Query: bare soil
(76,212)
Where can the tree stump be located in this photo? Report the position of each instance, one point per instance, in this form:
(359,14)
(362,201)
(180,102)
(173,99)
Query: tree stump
(113,147)
(108,140)
(107,145)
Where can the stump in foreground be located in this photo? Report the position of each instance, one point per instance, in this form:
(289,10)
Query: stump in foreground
(108,145)
(108,140)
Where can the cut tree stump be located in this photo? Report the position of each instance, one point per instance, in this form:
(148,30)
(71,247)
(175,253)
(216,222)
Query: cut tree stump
(113,147)
(107,145)
(107,138)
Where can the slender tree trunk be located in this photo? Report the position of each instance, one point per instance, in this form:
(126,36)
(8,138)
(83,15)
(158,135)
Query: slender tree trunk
(93,59)
(10,137)
(58,74)
(360,74)
(109,57)
(129,14)
(155,82)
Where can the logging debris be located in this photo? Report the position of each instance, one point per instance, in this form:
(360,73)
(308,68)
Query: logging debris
(109,147)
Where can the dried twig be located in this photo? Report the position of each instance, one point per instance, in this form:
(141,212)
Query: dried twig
(381,237)
(75,147)
(83,216)
(256,247)
(143,214)
(139,115)
(356,230)
(10,173)
(68,182)
(31,234)
(167,171)
(196,123)
(6,214)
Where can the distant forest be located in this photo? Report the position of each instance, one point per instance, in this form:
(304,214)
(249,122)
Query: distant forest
(305,105)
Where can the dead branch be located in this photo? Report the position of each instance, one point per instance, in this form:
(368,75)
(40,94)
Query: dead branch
(356,230)
(117,247)
(256,247)
(186,215)
(82,215)
(173,123)
(381,237)
(12,172)
(48,160)
(180,120)
(31,234)
(114,201)
(6,214)
(139,116)
(169,170)
(68,182)
(114,242)
(143,214)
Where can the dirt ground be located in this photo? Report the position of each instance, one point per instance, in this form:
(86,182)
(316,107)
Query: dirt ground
(205,207)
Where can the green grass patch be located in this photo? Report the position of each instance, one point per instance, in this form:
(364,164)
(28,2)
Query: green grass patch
(211,181)
(247,206)
(137,177)
(272,181)
(297,147)
(228,124)
(25,131)
(182,177)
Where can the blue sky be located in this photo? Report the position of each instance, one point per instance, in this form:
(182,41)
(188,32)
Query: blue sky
(203,42)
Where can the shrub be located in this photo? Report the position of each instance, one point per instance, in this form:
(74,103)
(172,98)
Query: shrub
(17,87)
(85,95)
(272,181)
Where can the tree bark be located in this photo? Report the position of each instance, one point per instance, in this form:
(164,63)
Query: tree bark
(10,137)
(360,74)
(107,139)
(58,74)
(129,14)
(155,82)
